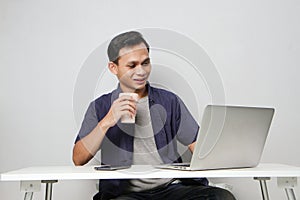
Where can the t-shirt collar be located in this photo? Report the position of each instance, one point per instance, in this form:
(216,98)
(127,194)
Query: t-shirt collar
(119,90)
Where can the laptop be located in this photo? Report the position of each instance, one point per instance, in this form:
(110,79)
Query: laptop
(229,137)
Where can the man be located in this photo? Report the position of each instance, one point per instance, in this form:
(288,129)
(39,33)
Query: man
(161,120)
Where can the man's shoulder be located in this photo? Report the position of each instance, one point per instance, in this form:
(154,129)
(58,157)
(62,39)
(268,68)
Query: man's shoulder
(102,104)
(104,99)
(162,93)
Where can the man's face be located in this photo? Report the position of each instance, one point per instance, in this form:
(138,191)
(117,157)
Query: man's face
(133,68)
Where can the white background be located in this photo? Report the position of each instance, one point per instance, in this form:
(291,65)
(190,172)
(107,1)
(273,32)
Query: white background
(255,46)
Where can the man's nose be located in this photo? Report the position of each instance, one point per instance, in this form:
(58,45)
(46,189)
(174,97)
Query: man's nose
(140,70)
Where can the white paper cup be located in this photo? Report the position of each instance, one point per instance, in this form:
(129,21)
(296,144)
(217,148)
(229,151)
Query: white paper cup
(128,119)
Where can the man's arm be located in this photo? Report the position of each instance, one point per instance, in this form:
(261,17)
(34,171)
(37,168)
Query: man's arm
(85,149)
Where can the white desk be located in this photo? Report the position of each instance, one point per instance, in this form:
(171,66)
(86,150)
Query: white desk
(32,177)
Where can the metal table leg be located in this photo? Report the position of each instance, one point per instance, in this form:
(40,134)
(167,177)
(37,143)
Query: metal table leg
(288,183)
(290,194)
(263,186)
(49,184)
(28,196)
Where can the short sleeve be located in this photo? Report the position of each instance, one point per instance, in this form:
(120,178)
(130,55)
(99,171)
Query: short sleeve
(187,126)
(90,121)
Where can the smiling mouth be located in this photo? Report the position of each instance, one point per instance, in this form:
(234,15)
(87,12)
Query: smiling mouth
(140,80)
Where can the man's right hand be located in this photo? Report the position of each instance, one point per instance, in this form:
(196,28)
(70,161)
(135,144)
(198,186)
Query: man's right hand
(124,105)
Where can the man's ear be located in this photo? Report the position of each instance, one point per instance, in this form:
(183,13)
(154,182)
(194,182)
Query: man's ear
(113,68)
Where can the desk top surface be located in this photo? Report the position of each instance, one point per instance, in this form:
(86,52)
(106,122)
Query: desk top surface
(143,171)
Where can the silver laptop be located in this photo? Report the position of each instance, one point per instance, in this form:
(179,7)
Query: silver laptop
(229,137)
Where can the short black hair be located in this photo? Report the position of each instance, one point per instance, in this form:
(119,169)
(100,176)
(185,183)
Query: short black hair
(127,39)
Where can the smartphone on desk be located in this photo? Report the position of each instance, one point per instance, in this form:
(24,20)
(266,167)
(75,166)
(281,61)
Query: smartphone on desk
(111,167)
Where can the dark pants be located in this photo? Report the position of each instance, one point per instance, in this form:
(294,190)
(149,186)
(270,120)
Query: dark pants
(180,192)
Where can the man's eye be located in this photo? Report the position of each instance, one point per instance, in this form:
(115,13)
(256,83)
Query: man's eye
(146,63)
(131,66)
